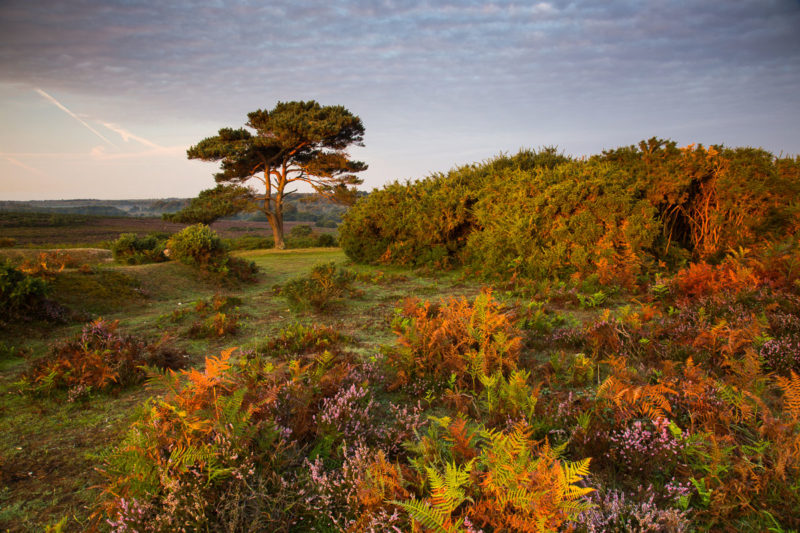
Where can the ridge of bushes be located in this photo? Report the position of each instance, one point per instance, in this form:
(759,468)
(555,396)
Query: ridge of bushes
(618,215)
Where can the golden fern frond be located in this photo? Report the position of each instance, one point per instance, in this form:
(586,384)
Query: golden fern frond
(791,394)
(609,384)
(446,491)
(430,517)
(575,471)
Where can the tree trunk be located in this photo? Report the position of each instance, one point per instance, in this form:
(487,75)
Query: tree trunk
(277,230)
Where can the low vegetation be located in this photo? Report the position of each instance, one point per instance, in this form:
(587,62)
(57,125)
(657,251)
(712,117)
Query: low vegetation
(134,250)
(100,359)
(323,287)
(201,248)
(586,359)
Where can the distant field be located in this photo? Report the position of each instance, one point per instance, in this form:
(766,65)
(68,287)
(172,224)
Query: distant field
(38,230)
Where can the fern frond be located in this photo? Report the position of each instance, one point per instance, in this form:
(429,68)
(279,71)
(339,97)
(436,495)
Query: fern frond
(791,394)
(430,517)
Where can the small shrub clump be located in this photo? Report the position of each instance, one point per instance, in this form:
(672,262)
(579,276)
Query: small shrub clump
(134,250)
(23,297)
(99,359)
(297,339)
(215,317)
(324,286)
(200,247)
(217,325)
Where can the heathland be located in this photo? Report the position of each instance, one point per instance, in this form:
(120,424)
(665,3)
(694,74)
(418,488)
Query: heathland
(532,343)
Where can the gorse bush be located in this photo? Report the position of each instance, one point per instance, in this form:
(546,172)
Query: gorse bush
(21,295)
(578,218)
(134,250)
(324,286)
(200,247)
(428,222)
(616,215)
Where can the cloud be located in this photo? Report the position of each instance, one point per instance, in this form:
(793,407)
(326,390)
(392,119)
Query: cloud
(153,51)
(429,79)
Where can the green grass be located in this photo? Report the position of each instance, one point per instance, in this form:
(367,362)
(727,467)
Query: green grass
(47,446)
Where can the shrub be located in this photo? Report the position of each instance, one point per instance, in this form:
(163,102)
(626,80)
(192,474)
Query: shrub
(215,317)
(326,240)
(781,355)
(100,358)
(242,270)
(48,263)
(200,247)
(417,224)
(302,230)
(645,450)
(221,450)
(325,285)
(616,513)
(618,215)
(455,340)
(21,295)
(133,250)
(215,326)
(301,242)
(575,219)
(7,242)
(297,339)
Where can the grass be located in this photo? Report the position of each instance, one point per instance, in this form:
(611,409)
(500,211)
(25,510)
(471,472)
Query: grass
(47,446)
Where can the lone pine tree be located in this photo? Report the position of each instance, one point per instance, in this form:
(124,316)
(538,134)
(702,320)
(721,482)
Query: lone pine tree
(296,142)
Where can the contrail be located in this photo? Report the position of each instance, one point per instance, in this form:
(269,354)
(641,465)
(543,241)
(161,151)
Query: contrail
(73,115)
(26,167)
(125,134)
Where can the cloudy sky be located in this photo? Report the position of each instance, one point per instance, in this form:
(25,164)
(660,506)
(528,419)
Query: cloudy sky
(100,99)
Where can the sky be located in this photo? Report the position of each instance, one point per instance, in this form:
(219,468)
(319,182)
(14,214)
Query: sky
(101,98)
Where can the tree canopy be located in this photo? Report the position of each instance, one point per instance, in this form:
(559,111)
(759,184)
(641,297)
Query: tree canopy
(213,204)
(295,142)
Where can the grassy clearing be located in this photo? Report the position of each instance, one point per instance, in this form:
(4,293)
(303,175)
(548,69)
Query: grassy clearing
(48,446)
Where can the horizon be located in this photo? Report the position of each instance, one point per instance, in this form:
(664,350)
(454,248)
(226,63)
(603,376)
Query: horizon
(101,100)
